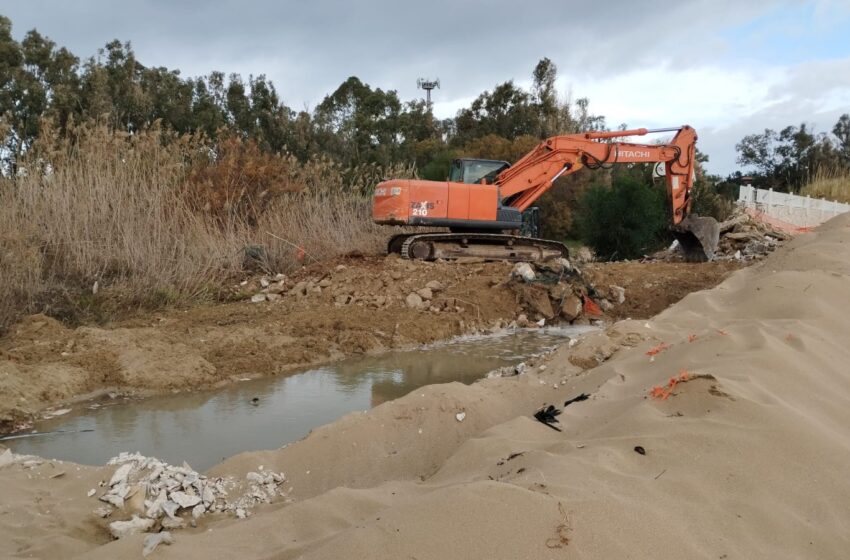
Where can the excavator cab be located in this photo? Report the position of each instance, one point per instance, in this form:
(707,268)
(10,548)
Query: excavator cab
(470,170)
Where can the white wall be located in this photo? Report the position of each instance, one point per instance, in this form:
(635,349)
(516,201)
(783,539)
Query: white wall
(802,211)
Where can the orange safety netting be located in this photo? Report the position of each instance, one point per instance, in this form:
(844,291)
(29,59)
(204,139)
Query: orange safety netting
(664,391)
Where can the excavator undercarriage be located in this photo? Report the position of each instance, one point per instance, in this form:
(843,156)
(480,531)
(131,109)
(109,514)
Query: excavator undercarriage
(488,246)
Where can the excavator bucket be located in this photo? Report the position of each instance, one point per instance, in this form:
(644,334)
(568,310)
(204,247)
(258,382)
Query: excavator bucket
(698,237)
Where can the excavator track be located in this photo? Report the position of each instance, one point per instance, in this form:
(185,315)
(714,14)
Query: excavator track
(488,246)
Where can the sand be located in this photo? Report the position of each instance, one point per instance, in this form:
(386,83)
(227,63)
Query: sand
(746,458)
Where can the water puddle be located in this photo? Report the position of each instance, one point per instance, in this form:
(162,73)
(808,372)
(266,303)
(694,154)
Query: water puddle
(205,427)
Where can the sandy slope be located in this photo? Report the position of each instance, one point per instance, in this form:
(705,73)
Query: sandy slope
(746,459)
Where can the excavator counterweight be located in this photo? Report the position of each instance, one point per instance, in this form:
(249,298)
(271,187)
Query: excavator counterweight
(483,201)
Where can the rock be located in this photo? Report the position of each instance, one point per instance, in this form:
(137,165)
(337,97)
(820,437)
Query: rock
(299,289)
(173,523)
(121,473)
(617,293)
(155,509)
(241,513)
(325,282)
(425,293)
(435,286)
(460,416)
(156,539)
(170,509)
(273,297)
(606,305)
(112,499)
(592,350)
(523,270)
(536,298)
(280,277)
(257,298)
(340,267)
(558,266)
(276,289)
(413,300)
(185,500)
(198,511)
(570,308)
(121,529)
(103,511)
(91,492)
(522,320)
(583,255)
(264,282)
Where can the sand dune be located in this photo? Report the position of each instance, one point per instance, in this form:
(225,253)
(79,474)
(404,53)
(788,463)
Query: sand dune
(746,458)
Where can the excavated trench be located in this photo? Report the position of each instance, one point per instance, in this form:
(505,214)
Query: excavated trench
(205,427)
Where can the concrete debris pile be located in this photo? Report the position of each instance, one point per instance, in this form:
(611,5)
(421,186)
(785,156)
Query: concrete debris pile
(556,290)
(159,495)
(743,237)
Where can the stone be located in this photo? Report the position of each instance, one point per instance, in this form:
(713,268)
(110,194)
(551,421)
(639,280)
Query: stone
(273,297)
(276,289)
(121,529)
(605,305)
(617,293)
(156,539)
(536,298)
(435,286)
(413,300)
(91,492)
(460,416)
(258,298)
(280,277)
(340,267)
(121,473)
(325,282)
(524,271)
(172,523)
(113,500)
(425,293)
(264,282)
(570,308)
(185,500)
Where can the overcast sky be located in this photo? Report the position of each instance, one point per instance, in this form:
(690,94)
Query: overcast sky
(726,67)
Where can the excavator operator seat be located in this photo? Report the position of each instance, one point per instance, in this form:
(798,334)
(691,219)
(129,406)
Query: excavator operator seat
(468,170)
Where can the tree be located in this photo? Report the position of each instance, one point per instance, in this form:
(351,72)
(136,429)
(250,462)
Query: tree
(624,221)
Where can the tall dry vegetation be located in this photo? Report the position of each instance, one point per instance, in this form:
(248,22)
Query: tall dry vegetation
(154,219)
(829,183)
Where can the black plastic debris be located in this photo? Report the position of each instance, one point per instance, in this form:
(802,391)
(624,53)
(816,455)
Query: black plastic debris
(639,449)
(581,397)
(549,416)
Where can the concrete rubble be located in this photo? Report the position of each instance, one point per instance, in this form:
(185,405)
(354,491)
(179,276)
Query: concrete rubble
(156,493)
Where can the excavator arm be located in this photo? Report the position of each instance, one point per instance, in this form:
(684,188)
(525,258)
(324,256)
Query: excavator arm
(523,183)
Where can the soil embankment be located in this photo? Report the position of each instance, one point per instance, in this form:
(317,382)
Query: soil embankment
(324,313)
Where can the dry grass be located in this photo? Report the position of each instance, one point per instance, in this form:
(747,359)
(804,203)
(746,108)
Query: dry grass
(833,184)
(110,209)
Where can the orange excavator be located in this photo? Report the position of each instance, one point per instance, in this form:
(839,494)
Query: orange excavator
(483,201)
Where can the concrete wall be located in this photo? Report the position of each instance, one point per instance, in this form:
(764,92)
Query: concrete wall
(800,211)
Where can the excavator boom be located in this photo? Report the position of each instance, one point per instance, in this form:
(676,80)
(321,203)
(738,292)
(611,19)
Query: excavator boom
(494,202)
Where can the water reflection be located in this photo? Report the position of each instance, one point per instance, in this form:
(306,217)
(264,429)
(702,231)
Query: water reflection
(207,426)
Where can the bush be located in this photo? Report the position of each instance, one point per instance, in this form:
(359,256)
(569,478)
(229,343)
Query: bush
(624,221)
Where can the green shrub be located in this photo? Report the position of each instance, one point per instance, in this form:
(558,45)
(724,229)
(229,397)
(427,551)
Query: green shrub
(623,221)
